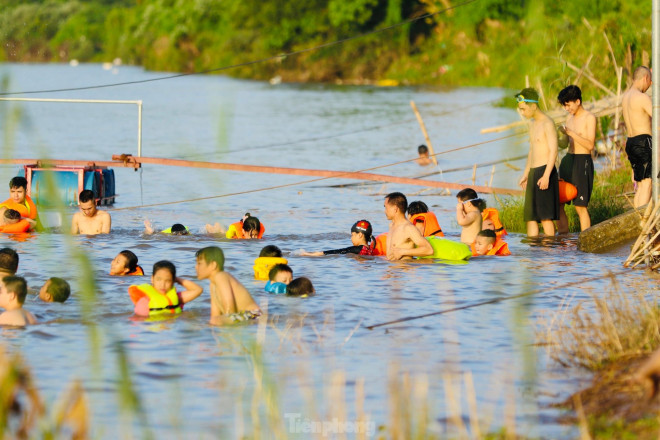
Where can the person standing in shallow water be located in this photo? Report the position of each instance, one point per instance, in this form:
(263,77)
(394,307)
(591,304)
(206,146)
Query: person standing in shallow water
(637,112)
(539,179)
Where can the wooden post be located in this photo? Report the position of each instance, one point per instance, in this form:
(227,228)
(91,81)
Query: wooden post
(426,135)
(492,174)
(474,174)
(619,76)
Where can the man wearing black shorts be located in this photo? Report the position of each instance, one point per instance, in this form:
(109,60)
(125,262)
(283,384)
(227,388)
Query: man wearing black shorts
(577,167)
(637,111)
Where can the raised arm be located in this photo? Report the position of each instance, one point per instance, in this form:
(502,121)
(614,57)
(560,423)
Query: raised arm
(193,290)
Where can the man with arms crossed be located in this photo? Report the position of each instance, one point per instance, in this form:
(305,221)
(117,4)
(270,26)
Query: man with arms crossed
(637,111)
(403,240)
(577,166)
(90,221)
(540,177)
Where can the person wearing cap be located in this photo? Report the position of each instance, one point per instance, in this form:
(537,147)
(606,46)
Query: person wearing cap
(539,180)
(361,237)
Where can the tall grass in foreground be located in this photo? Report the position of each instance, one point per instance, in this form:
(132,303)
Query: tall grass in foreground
(621,326)
(607,201)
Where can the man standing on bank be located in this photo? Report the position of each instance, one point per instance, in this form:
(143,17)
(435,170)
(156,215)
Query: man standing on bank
(637,111)
(539,180)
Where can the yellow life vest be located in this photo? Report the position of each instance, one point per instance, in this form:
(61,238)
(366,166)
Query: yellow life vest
(159,303)
(263,265)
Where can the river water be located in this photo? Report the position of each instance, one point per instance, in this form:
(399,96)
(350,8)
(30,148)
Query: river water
(198,381)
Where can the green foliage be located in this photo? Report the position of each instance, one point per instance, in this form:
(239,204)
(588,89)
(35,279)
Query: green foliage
(350,15)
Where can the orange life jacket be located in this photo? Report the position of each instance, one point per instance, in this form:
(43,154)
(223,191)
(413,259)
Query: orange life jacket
(27,209)
(431,226)
(138,271)
(494,215)
(381,245)
(499,248)
(21,226)
(235,230)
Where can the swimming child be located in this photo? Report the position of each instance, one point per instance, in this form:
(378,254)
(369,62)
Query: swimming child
(175,229)
(230,300)
(423,158)
(13,291)
(8,262)
(55,290)
(12,223)
(301,287)
(20,201)
(488,243)
(468,214)
(425,221)
(361,237)
(278,278)
(125,263)
(249,227)
(268,257)
(160,298)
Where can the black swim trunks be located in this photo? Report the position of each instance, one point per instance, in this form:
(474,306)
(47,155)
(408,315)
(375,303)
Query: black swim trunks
(578,169)
(541,204)
(638,149)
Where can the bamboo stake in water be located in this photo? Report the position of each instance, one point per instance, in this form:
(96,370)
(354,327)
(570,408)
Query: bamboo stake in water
(426,135)
(474,174)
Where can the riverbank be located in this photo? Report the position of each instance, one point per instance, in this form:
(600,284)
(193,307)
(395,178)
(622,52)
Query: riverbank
(471,44)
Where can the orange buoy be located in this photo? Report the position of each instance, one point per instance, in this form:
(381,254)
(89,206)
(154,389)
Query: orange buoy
(567,191)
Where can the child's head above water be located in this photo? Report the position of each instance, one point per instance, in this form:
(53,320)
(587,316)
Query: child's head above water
(271,251)
(178,229)
(11,216)
(55,290)
(251,226)
(469,197)
(163,276)
(8,260)
(124,263)
(280,273)
(13,285)
(485,241)
(361,232)
(417,207)
(206,257)
(300,287)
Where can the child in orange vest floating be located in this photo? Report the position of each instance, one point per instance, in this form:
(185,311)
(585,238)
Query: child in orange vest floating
(125,263)
(20,201)
(425,221)
(12,223)
(487,243)
(249,227)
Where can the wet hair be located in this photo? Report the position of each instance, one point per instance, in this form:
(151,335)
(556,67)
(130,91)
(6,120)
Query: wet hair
(417,207)
(529,93)
(164,264)
(300,287)
(58,289)
(272,273)
(178,229)
(86,195)
(423,149)
(399,200)
(365,228)
(212,254)
(488,233)
(569,94)
(18,182)
(131,260)
(12,214)
(16,285)
(8,260)
(251,224)
(641,72)
(469,194)
(271,251)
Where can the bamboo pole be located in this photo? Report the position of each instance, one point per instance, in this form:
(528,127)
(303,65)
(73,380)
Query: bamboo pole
(539,86)
(426,135)
(592,79)
(474,174)
(585,66)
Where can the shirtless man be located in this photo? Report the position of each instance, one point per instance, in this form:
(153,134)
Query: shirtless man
(403,240)
(90,221)
(577,166)
(540,177)
(637,111)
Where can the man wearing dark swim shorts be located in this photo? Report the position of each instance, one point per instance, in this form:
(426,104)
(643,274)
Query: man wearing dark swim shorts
(577,166)
(637,110)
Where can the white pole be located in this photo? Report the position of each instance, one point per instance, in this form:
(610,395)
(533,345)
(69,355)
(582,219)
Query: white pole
(656,95)
(139,129)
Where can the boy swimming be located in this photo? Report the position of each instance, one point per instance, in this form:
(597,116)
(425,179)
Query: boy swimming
(247,228)
(13,291)
(55,290)
(125,263)
(361,237)
(175,229)
(488,243)
(230,300)
(11,222)
(160,298)
(468,214)
(300,287)
(425,221)
(279,277)
(269,256)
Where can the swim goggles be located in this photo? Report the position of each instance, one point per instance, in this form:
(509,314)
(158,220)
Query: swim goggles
(470,200)
(521,98)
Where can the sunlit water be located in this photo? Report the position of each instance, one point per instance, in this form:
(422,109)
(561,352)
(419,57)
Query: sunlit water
(198,381)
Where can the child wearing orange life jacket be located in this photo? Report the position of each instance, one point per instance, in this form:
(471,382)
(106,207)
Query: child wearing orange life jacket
(425,221)
(247,228)
(361,237)
(19,200)
(160,298)
(491,220)
(125,263)
(487,243)
(12,223)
